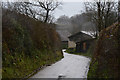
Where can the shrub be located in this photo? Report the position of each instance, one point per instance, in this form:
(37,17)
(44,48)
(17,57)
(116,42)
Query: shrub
(27,45)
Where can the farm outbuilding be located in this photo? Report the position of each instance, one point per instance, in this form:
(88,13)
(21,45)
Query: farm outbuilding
(82,40)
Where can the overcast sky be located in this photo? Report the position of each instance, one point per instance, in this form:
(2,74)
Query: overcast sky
(69,9)
(72,7)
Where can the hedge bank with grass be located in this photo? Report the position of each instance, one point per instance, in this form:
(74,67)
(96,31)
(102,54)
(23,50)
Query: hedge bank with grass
(27,44)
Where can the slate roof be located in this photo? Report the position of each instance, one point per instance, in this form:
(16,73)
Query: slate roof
(79,37)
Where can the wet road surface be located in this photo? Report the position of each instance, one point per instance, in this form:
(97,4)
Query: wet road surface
(71,66)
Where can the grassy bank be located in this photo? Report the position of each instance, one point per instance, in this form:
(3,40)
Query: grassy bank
(92,69)
(23,65)
(27,44)
(105,63)
(89,53)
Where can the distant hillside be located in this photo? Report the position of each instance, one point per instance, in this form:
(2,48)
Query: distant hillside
(105,63)
(81,22)
(75,24)
(27,45)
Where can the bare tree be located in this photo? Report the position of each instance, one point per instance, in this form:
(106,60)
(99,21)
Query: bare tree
(20,7)
(102,12)
(48,6)
(39,9)
(118,11)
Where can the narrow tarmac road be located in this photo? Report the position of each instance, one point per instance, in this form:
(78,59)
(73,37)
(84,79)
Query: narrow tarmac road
(71,66)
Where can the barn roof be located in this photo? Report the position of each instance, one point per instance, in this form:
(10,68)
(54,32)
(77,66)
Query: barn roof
(79,37)
(64,34)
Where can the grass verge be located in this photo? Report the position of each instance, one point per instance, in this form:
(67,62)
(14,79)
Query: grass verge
(87,54)
(92,70)
(20,66)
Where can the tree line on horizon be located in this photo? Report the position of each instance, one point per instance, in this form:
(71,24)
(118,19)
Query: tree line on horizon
(98,15)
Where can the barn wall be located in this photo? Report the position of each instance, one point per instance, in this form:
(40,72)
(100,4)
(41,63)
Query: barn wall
(84,46)
(71,44)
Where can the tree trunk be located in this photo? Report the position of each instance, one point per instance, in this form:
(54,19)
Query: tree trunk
(99,17)
(119,11)
(46,17)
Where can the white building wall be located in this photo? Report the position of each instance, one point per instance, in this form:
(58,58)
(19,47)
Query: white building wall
(71,44)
